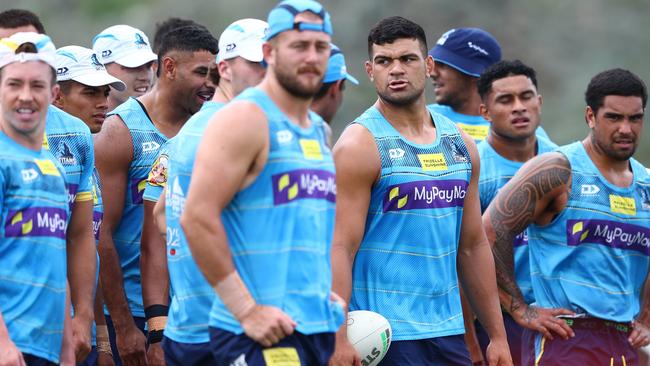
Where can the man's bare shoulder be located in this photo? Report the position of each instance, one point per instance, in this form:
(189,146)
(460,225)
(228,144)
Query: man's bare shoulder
(356,153)
(114,141)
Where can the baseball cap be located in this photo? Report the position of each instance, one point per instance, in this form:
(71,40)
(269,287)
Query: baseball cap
(282,17)
(243,38)
(468,50)
(336,69)
(44,47)
(123,44)
(81,64)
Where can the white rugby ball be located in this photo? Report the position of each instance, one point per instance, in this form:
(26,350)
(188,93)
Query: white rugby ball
(370,334)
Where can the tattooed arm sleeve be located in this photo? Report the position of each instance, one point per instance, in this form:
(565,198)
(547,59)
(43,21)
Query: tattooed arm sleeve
(519,203)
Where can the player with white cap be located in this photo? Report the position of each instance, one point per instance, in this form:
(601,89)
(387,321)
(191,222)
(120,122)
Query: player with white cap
(127,55)
(33,295)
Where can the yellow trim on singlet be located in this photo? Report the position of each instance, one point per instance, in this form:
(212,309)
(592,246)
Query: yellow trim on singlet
(84,196)
(541,351)
(623,359)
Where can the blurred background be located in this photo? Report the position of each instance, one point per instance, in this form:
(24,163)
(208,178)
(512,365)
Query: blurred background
(567,42)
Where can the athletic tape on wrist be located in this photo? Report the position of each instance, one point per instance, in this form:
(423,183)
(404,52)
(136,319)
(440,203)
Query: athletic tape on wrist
(154,336)
(104,347)
(235,296)
(102,333)
(156,316)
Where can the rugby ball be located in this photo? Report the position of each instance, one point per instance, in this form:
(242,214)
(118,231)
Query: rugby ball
(369,333)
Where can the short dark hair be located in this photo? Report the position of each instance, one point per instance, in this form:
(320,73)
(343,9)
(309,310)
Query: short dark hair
(29,47)
(500,70)
(614,82)
(326,87)
(167,25)
(390,29)
(213,74)
(187,39)
(15,18)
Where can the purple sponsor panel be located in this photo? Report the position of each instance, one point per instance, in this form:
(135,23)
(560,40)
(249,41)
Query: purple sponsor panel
(425,194)
(37,221)
(97,223)
(304,183)
(521,239)
(72,193)
(613,234)
(137,190)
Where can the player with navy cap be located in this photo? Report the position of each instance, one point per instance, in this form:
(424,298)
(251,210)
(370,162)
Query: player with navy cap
(126,148)
(127,55)
(408,227)
(260,208)
(34,304)
(586,210)
(186,338)
(330,96)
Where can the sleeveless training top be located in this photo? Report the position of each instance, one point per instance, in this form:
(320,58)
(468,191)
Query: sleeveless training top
(280,227)
(405,268)
(593,257)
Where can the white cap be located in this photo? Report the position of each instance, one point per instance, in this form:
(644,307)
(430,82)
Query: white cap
(123,44)
(243,38)
(81,64)
(44,47)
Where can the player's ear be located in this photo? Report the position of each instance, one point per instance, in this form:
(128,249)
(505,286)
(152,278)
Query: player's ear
(169,67)
(590,117)
(428,63)
(369,71)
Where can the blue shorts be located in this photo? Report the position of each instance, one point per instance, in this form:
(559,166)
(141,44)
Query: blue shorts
(514,332)
(36,361)
(450,350)
(139,322)
(597,342)
(310,350)
(186,354)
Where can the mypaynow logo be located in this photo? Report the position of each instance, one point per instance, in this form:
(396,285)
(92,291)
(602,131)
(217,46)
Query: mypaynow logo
(304,183)
(610,233)
(425,194)
(37,221)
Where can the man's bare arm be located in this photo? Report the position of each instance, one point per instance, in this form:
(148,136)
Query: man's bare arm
(82,267)
(113,155)
(640,335)
(357,167)
(535,194)
(153,261)
(159,214)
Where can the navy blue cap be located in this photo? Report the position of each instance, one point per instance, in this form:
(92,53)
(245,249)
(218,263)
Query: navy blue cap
(282,17)
(468,50)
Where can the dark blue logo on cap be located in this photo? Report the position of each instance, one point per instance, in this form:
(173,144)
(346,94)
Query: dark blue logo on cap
(106,53)
(139,40)
(62,70)
(95,61)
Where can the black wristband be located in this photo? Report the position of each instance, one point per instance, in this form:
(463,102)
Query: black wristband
(154,336)
(153,311)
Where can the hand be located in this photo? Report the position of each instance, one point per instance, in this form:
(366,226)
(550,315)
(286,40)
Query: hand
(640,335)
(267,325)
(498,353)
(544,321)
(104,359)
(131,346)
(81,338)
(344,352)
(155,355)
(10,355)
(67,357)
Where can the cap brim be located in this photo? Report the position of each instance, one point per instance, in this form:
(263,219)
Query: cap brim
(137,59)
(100,79)
(352,79)
(253,52)
(440,54)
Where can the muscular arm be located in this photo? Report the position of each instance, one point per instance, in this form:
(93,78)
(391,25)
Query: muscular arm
(81,255)
(113,154)
(153,260)
(357,167)
(536,194)
(224,160)
(475,263)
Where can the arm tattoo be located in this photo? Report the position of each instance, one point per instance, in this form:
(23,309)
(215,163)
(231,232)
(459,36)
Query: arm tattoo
(512,211)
